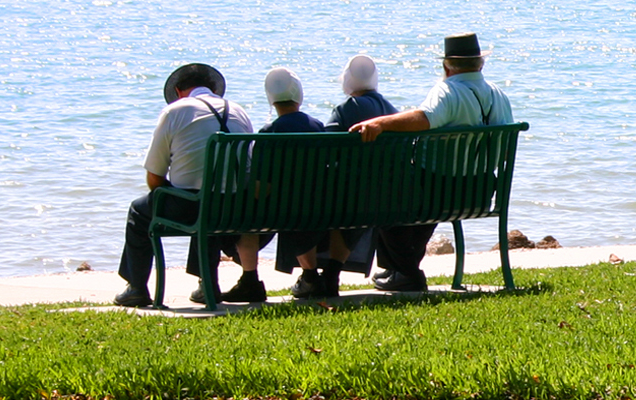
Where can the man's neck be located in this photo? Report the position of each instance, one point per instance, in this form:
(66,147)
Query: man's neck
(450,72)
(198,91)
(194,91)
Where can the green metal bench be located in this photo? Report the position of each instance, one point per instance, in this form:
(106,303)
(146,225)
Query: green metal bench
(286,182)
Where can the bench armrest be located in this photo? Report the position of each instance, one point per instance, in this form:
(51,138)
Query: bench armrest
(162,193)
(173,191)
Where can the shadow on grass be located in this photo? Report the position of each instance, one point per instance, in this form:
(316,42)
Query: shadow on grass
(381,300)
(349,301)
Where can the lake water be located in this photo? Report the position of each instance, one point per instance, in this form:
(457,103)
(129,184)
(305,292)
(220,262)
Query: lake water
(81,88)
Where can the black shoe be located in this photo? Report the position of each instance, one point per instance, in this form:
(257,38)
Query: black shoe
(198,296)
(245,292)
(305,290)
(398,282)
(133,297)
(382,275)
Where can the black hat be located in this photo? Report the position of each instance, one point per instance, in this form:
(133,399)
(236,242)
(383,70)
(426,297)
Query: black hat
(463,45)
(213,76)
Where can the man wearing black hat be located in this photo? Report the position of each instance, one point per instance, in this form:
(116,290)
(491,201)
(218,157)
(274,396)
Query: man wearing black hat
(463,97)
(195,110)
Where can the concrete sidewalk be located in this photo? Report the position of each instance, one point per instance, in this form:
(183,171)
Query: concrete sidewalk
(101,287)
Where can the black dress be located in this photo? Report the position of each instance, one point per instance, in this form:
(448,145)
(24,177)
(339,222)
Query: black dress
(361,242)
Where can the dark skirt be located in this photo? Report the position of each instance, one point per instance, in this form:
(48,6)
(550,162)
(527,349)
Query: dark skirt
(361,243)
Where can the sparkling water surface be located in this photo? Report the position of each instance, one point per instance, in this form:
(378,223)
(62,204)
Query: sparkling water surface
(81,88)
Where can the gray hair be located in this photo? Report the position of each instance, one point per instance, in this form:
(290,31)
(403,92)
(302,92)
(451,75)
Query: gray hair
(464,64)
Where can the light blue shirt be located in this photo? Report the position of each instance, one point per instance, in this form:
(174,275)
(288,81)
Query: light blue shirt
(466,99)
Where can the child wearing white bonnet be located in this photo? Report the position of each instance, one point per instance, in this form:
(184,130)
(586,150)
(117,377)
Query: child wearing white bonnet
(359,81)
(359,74)
(281,85)
(285,93)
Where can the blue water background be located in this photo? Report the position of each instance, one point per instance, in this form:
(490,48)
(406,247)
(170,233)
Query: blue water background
(81,88)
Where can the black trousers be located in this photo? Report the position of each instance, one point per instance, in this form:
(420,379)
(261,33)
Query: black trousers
(402,248)
(137,256)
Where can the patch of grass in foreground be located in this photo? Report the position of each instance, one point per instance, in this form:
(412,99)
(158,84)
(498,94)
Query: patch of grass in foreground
(566,336)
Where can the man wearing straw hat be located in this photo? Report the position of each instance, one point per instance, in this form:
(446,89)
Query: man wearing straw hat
(195,110)
(463,97)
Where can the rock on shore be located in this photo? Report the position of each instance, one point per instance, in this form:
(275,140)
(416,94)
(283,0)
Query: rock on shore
(517,240)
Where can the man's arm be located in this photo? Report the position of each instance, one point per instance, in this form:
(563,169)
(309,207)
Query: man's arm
(154,181)
(406,121)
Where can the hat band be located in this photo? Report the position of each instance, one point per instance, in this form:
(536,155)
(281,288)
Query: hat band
(474,52)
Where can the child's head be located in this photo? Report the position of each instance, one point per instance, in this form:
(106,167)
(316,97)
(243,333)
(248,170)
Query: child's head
(282,85)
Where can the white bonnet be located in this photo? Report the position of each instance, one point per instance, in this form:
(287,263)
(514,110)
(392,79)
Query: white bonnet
(282,84)
(360,73)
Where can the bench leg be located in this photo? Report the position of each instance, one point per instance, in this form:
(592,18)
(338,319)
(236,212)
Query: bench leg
(460,250)
(503,252)
(204,270)
(160,269)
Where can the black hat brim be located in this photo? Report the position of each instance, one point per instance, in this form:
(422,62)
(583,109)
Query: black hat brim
(484,53)
(169,89)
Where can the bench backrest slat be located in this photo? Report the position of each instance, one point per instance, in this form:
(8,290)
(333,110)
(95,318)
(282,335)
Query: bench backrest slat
(333,180)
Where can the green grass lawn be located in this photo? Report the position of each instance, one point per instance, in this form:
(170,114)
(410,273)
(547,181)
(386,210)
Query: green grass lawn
(566,335)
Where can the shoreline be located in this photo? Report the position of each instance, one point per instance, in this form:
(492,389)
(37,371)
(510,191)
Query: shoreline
(102,286)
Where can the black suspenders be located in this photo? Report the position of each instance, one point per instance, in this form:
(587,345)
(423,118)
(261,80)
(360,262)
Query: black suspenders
(485,118)
(222,119)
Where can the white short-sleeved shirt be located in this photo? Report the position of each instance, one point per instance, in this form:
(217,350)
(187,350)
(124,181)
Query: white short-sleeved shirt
(178,144)
(460,100)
